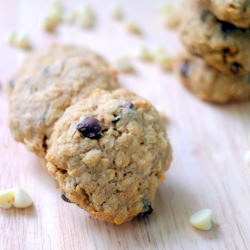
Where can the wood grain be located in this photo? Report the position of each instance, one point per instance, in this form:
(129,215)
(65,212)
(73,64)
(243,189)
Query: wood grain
(209,143)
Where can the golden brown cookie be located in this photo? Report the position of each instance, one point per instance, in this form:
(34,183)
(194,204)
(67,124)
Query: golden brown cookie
(109,153)
(222,45)
(236,12)
(209,84)
(48,82)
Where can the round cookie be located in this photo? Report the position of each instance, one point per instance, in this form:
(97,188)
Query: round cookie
(236,12)
(209,84)
(221,44)
(48,82)
(109,153)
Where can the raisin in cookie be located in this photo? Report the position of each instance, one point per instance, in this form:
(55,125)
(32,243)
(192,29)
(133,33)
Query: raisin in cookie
(236,12)
(209,84)
(109,153)
(48,82)
(221,44)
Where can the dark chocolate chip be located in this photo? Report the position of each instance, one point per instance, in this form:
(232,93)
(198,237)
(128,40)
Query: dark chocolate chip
(248,78)
(45,146)
(90,127)
(46,71)
(229,51)
(246,5)
(227,28)
(116,119)
(147,211)
(128,105)
(235,67)
(62,171)
(226,51)
(205,14)
(12,83)
(65,198)
(185,68)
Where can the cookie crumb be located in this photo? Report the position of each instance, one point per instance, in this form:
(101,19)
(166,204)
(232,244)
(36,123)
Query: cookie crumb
(16,197)
(247,158)
(133,28)
(202,219)
(86,18)
(124,64)
(116,13)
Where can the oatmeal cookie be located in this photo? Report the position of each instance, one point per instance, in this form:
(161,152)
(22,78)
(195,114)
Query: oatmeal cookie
(236,12)
(48,82)
(209,84)
(221,44)
(109,153)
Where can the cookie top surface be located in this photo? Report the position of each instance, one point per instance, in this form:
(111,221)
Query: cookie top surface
(209,84)
(109,153)
(236,12)
(221,44)
(47,83)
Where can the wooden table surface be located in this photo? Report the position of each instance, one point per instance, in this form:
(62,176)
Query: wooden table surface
(209,144)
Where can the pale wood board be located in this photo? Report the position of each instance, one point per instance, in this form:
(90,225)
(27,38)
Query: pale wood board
(209,144)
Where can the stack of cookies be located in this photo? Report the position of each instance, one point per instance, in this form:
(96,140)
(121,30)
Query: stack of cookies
(107,147)
(216,35)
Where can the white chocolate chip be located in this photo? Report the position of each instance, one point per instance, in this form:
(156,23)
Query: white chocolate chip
(116,13)
(162,114)
(16,197)
(71,17)
(202,219)
(170,17)
(247,158)
(86,18)
(160,50)
(54,16)
(22,42)
(163,60)
(56,68)
(124,64)
(6,198)
(21,199)
(51,22)
(144,54)
(160,109)
(11,37)
(57,4)
(133,28)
